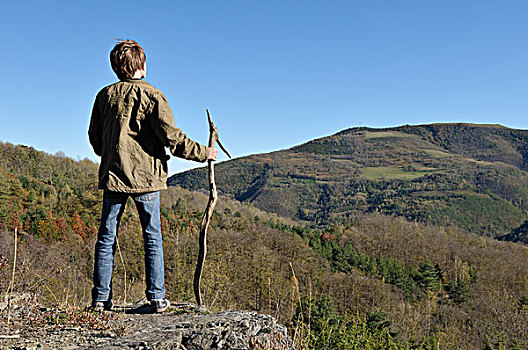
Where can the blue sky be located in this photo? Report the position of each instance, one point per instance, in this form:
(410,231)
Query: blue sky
(273,73)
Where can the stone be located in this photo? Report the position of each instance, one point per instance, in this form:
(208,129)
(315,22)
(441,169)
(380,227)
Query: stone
(184,326)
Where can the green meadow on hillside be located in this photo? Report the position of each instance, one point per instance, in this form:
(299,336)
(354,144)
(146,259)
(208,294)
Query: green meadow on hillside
(389,173)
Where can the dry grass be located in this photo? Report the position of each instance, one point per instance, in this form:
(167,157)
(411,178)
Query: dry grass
(11,285)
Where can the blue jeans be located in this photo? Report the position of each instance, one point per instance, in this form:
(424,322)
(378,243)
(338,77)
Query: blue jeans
(148,207)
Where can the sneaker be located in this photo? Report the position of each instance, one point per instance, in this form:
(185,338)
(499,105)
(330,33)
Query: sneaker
(160,305)
(100,306)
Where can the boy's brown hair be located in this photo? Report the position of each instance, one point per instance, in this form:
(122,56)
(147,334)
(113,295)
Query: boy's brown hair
(126,58)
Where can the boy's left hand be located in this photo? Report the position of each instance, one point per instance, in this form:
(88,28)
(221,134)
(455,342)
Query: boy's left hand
(213,153)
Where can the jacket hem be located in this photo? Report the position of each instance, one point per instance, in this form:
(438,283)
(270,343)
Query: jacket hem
(133,190)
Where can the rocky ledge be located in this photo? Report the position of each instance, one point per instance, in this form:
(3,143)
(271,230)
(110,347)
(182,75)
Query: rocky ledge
(184,326)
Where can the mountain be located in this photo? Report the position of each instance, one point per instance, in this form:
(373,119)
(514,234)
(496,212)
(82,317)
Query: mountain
(468,175)
(371,280)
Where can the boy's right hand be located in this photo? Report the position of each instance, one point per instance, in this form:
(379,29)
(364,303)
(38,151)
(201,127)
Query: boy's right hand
(213,153)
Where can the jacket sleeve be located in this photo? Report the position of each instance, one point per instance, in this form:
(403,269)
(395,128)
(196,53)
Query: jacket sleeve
(95,130)
(173,138)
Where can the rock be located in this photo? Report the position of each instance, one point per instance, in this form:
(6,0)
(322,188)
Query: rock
(224,330)
(185,326)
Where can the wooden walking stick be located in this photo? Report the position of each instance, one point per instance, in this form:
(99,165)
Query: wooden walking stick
(213,138)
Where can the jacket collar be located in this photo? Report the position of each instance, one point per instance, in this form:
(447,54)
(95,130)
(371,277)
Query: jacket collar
(140,81)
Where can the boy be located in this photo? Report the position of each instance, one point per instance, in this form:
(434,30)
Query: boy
(130,127)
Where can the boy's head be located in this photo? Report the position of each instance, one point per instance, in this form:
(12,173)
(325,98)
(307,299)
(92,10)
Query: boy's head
(126,58)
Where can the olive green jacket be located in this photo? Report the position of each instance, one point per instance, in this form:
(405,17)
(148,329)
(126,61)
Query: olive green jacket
(130,126)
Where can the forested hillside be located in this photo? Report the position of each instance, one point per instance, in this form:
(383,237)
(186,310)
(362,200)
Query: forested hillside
(367,280)
(50,196)
(471,176)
